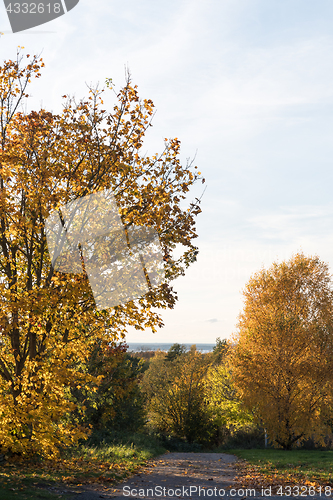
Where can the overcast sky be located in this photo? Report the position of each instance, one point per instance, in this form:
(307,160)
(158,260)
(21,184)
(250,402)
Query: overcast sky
(247,86)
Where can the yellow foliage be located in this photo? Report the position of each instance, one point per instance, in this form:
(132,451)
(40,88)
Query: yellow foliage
(223,402)
(282,362)
(48,320)
(175,391)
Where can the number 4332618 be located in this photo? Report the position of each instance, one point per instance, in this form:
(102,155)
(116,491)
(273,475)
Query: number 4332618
(34,8)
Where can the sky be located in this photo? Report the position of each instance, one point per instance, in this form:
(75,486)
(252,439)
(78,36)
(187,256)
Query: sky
(246,85)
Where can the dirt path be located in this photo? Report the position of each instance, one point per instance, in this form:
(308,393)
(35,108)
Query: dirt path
(181,476)
(173,476)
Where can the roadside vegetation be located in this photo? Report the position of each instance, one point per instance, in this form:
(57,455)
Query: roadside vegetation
(274,468)
(145,405)
(106,459)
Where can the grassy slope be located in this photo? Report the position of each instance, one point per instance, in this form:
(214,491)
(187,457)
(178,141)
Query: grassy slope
(273,467)
(106,463)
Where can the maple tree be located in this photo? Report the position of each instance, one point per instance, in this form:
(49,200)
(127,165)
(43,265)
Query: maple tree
(282,361)
(49,322)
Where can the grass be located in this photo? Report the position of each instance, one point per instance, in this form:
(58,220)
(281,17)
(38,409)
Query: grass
(107,459)
(278,467)
(104,461)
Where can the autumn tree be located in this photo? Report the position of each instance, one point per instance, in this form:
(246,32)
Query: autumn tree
(282,362)
(227,412)
(48,319)
(175,351)
(113,401)
(175,393)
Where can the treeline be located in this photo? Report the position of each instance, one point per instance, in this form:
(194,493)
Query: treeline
(275,376)
(182,395)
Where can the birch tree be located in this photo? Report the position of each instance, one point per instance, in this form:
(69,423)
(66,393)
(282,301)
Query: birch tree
(282,362)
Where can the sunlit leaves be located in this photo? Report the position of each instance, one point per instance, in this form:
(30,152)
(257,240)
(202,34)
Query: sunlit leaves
(48,320)
(175,391)
(283,357)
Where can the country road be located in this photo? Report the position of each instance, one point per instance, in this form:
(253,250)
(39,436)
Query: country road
(175,476)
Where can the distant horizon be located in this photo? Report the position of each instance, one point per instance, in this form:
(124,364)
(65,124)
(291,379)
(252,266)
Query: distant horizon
(154,346)
(170,343)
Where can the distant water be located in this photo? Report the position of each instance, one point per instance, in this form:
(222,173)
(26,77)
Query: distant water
(137,346)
